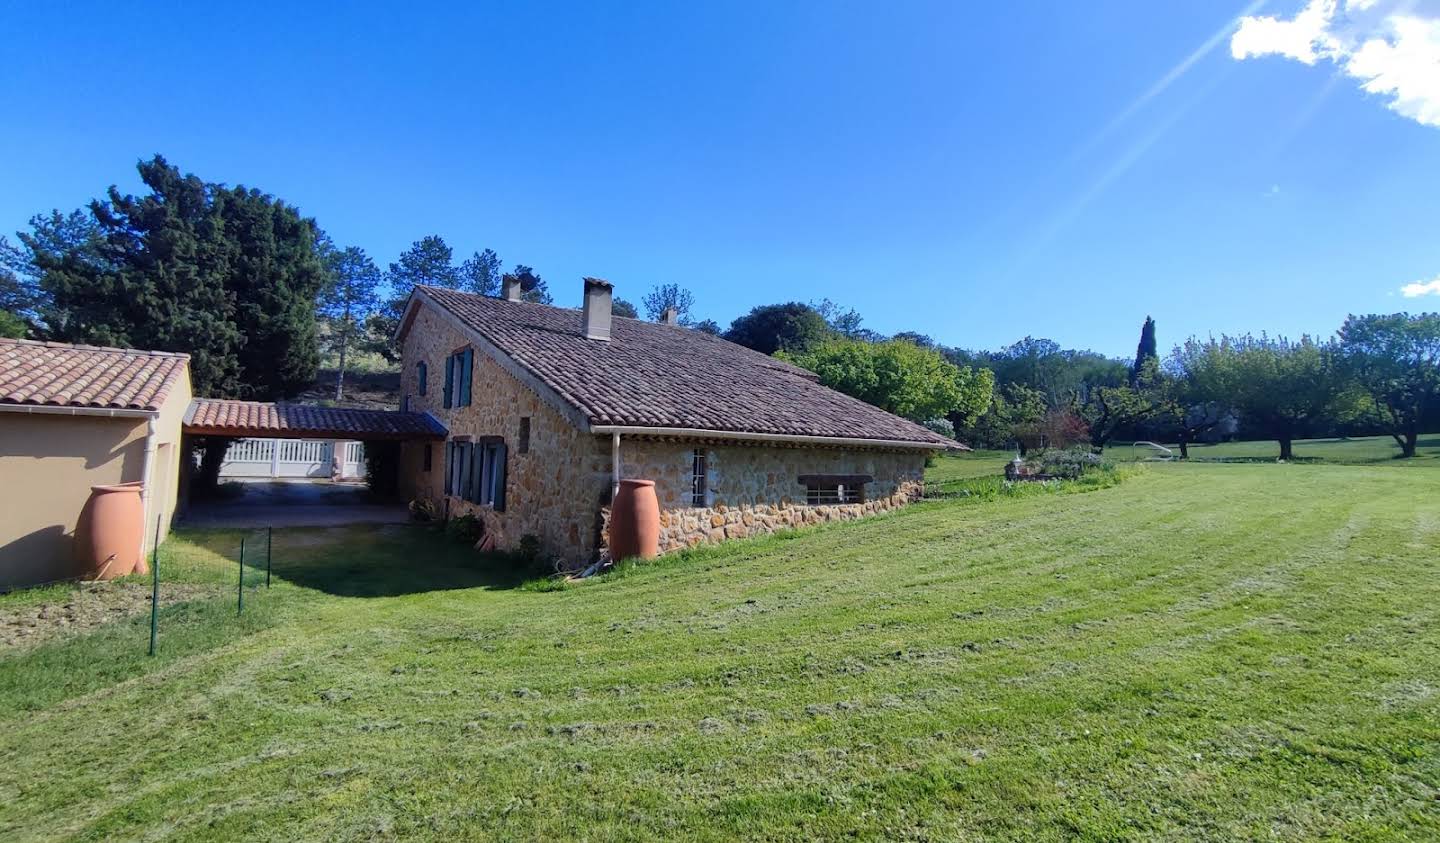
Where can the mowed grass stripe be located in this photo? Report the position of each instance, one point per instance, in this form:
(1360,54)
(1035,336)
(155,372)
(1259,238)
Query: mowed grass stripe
(1204,651)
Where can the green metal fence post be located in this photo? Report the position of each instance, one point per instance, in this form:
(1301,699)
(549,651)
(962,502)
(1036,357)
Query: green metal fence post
(269,540)
(240,588)
(155,588)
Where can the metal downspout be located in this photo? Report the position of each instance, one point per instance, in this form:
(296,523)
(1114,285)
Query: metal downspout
(614,465)
(147,472)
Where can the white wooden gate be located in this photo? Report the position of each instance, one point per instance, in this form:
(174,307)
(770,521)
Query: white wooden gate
(293,458)
(352,464)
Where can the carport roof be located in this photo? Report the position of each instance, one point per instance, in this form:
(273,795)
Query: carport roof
(222,417)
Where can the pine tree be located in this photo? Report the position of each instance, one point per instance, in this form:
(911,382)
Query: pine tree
(350,294)
(668,296)
(427,261)
(481,273)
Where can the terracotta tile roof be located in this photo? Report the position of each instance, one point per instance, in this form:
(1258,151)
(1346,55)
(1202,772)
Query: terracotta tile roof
(223,417)
(655,375)
(63,375)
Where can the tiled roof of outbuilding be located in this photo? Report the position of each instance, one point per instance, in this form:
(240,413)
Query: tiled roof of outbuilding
(222,417)
(655,375)
(62,375)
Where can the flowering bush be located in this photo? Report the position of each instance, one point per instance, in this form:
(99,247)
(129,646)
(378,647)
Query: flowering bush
(942,427)
(1068,463)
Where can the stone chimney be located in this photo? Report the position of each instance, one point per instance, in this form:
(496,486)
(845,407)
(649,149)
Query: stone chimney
(670,316)
(597,309)
(510,287)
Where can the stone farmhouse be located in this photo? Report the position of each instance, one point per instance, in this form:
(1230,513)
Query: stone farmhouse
(548,408)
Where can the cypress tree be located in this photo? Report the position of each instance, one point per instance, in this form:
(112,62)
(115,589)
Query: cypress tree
(1146,350)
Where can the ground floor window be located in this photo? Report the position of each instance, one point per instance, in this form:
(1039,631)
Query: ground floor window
(698,468)
(426,458)
(822,489)
(475,470)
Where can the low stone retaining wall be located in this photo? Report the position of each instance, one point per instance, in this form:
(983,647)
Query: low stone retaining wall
(690,527)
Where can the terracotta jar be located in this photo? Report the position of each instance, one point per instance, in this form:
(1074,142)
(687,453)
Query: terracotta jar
(635,521)
(107,539)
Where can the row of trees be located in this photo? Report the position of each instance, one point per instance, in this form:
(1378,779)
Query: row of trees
(254,292)
(1378,374)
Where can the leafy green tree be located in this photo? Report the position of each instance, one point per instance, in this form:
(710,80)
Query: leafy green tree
(922,340)
(350,294)
(707,326)
(899,377)
(1012,408)
(481,274)
(1194,400)
(1395,359)
(845,321)
(12,326)
(665,297)
(1281,388)
(792,327)
(1110,409)
(621,307)
(532,286)
(1145,351)
(1063,376)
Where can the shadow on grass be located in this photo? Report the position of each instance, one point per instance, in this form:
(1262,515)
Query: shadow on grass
(357,561)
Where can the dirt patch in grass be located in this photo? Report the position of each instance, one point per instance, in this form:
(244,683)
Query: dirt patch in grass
(87,606)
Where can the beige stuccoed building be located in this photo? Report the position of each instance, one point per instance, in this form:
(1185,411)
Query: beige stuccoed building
(72,417)
(548,408)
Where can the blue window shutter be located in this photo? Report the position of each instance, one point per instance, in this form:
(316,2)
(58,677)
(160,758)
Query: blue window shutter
(422,371)
(449,380)
(466,457)
(478,467)
(449,460)
(497,476)
(468,367)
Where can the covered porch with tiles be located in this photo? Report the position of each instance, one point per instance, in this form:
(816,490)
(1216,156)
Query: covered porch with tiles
(292,465)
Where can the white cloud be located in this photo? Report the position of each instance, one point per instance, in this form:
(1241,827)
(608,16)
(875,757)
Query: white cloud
(1392,47)
(1421,288)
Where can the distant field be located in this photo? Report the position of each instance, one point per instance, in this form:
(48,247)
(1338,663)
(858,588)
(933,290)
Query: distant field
(1369,450)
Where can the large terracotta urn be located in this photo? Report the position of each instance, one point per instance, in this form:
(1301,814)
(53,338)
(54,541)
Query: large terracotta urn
(635,521)
(107,539)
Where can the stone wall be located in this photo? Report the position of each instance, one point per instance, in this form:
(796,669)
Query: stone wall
(753,490)
(554,491)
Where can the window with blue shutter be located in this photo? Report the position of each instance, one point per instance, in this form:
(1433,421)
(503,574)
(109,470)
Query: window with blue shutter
(449,380)
(422,374)
(467,374)
(485,480)
(466,485)
(497,476)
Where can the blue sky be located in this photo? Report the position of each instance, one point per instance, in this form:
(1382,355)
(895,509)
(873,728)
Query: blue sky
(976,172)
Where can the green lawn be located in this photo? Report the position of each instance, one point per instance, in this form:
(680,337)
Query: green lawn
(1204,652)
(1359,451)
(1368,450)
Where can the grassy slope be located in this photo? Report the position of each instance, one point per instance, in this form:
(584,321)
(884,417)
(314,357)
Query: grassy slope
(1205,651)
